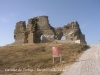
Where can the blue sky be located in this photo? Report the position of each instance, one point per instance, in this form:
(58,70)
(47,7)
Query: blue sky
(60,12)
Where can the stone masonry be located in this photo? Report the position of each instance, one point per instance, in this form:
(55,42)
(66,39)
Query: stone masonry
(39,30)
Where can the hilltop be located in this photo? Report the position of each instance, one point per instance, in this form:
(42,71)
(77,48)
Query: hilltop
(35,56)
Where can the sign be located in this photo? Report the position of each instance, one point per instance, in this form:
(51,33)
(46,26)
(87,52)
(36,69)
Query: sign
(56,52)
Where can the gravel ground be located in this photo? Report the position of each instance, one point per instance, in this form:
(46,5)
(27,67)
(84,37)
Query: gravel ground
(87,64)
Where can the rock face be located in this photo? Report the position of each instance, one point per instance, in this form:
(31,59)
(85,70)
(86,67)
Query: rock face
(39,30)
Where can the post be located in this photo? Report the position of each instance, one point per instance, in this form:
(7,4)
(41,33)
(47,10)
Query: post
(60,59)
(57,56)
(53,60)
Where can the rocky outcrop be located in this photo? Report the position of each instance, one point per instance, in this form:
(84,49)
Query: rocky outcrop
(39,30)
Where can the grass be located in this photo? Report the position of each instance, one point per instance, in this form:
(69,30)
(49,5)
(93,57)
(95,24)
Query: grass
(35,56)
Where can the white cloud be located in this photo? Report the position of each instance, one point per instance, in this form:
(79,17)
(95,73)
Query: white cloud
(84,25)
(4,20)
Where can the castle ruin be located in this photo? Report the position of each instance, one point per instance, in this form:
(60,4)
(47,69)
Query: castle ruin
(38,30)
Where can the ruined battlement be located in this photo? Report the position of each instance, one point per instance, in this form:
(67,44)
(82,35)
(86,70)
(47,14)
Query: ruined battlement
(41,16)
(39,30)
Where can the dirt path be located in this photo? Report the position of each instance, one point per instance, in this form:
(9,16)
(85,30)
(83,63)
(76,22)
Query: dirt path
(88,63)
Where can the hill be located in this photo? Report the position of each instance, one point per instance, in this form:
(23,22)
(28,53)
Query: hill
(30,59)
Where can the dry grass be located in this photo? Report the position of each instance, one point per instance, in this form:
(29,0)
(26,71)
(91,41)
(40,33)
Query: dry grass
(35,56)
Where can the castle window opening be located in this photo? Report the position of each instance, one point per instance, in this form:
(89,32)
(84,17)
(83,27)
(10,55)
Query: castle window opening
(41,38)
(63,38)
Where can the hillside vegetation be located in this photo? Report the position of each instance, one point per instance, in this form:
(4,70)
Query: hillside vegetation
(33,56)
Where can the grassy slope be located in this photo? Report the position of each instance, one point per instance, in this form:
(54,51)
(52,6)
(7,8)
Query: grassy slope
(37,56)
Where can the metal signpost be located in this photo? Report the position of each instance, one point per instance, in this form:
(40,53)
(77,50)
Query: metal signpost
(56,52)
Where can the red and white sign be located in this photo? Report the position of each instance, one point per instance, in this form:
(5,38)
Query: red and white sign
(56,51)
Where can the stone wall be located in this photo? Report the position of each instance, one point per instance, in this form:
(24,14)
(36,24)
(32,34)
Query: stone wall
(19,32)
(39,30)
(59,32)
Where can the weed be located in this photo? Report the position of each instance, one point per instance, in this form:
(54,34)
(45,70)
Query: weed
(38,55)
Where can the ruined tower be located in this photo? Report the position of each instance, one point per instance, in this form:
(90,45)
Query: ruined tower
(39,30)
(19,32)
